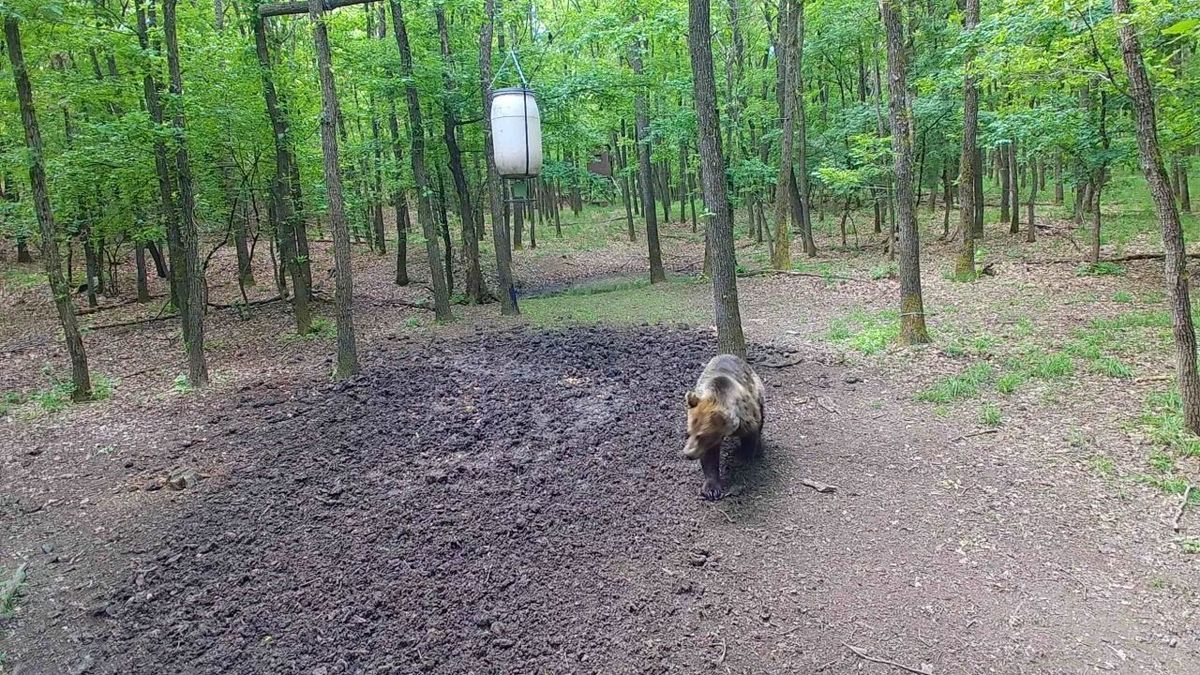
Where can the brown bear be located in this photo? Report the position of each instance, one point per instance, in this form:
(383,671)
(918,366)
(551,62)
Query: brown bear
(727,401)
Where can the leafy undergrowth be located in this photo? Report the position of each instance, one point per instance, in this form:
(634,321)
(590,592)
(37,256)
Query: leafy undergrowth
(866,332)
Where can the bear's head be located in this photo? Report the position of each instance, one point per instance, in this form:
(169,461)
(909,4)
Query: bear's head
(708,423)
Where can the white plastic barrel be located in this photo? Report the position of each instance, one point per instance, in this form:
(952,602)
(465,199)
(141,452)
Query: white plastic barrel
(516,133)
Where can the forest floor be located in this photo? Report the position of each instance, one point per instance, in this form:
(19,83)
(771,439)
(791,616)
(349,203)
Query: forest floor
(507,495)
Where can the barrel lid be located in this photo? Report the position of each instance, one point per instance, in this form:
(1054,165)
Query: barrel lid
(511,90)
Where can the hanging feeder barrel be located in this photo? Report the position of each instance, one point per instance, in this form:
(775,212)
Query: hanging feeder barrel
(516,133)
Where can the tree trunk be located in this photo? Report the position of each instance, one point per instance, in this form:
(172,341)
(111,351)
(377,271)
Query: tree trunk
(143,289)
(91,266)
(441,294)
(80,378)
(508,297)
(1095,194)
(518,218)
(964,266)
(192,310)
(1014,196)
(283,198)
(473,276)
(23,255)
(343,297)
(619,157)
(979,203)
(786,45)
(1030,227)
(800,150)
(444,223)
(718,218)
(1004,174)
(642,113)
(1175,261)
(399,201)
(912,312)
(1058,179)
(1181,184)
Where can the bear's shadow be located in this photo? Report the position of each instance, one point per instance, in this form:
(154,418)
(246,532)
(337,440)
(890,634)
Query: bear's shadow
(748,476)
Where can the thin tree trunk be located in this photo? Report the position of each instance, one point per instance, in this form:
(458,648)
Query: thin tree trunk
(1030,227)
(1014,196)
(192,311)
(1058,179)
(399,201)
(91,266)
(642,113)
(912,312)
(964,266)
(347,346)
(1175,261)
(1095,194)
(290,224)
(787,45)
(80,377)
(473,276)
(508,298)
(718,218)
(441,294)
(143,289)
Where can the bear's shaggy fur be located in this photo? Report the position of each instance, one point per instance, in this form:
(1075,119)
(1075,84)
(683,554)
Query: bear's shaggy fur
(727,401)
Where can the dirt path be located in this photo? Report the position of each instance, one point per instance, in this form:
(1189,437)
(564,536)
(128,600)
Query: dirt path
(514,502)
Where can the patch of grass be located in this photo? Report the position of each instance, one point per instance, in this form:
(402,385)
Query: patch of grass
(1123,296)
(16,580)
(1113,367)
(884,271)
(1163,423)
(866,333)
(320,329)
(1190,545)
(1049,366)
(989,415)
(182,385)
(1100,269)
(22,277)
(10,400)
(1161,462)
(1102,465)
(633,304)
(1023,327)
(412,322)
(959,387)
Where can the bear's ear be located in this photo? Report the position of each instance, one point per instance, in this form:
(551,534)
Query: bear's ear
(692,399)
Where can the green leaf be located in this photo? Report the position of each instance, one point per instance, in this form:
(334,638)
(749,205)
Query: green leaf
(1182,27)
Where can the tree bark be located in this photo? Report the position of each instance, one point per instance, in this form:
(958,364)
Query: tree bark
(781,257)
(619,157)
(162,167)
(80,377)
(1014,195)
(1030,227)
(964,266)
(399,201)
(283,202)
(473,276)
(912,312)
(718,218)
(508,296)
(646,171)
(343,295)
(192,310)
(416,128)
(1058,179)
(1175,261)
(139,256)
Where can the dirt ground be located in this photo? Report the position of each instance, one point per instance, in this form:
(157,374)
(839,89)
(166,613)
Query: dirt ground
(502,497)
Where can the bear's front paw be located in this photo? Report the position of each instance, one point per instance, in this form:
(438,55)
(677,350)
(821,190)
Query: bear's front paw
(711,490)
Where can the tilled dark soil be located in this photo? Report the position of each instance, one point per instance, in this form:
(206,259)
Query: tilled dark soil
(480,507)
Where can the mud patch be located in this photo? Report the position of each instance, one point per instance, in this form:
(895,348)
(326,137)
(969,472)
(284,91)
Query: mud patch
(510,503)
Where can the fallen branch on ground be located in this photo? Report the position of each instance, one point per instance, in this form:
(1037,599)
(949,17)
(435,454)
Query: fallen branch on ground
(1175,525)
(818,485)
(252,303)
(973,434)
(84,311)
(923,670)
(1154,378)
(794,273)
